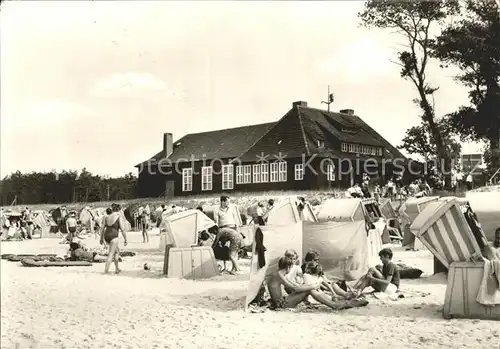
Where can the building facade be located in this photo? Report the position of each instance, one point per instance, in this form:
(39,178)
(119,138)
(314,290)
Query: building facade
(307,148)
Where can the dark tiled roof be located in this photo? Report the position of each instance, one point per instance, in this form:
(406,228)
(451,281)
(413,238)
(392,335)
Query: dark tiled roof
(286,136)
(390,150)
(220,144)
(320,125)
(294,135)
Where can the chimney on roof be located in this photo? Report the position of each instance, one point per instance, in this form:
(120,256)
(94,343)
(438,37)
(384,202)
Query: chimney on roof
(299,104)
(168,144)
(347,111)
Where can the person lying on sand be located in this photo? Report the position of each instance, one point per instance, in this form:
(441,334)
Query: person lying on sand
(299,292)
(386,281)
(79,253)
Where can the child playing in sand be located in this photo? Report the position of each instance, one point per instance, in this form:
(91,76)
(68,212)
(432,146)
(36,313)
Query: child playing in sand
(386,281)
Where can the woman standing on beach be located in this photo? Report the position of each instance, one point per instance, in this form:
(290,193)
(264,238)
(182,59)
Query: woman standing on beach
(111,226)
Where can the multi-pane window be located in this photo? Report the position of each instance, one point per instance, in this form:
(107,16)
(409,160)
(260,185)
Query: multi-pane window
(274,171)
(206,178)
(239,174)
(227,177)
(247,174)
(299,172)
(282,171)
(330,172)
(361,149)
(187,179)
(264,173)
(256,173)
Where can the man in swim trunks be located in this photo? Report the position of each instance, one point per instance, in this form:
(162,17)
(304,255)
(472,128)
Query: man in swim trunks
(71,225)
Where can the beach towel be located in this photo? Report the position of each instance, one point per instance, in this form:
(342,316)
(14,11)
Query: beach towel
(489,290)
(31,263)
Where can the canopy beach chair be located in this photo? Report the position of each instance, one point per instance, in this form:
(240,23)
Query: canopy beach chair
(183,257)
(408,212)
(286,212)
(486,206)
(457,241)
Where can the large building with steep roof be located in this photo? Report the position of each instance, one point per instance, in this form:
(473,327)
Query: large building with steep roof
(307,148)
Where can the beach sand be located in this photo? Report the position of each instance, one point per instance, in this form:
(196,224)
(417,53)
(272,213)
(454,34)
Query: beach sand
(80,307)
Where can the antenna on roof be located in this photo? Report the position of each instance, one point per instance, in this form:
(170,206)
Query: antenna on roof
(330,99)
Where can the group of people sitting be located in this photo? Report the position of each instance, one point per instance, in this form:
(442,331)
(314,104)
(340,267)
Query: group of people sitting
(292,283)
(18,226)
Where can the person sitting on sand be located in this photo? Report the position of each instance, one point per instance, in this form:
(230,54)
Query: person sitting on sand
(277,279)
(313,275)
(386,281)
(112,224)
(295,274)
(327,285)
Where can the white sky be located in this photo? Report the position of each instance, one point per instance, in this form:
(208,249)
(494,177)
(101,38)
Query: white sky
(95,84)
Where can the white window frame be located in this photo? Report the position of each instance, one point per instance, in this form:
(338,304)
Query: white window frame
(320,144)
(264,173)
(282,171)
(256,173)
(207,178)
(299,172)
(345,147)
(227,177)
(273,172)
(351,148)
(247,174)
(330,172)
(187,179)
(239,174)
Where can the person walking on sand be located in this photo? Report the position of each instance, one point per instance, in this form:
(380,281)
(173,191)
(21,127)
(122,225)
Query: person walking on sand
(145,226)
(112,224)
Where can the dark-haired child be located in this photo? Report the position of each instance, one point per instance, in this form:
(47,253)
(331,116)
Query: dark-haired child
(387,280)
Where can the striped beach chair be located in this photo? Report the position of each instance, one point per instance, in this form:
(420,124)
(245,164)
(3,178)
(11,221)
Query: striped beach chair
(443,229)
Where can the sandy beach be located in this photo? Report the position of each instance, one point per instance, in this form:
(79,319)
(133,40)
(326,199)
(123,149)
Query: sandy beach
(80,307)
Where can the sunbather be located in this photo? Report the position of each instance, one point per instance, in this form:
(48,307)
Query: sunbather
(386,281)
(299,292)
(79,253)
(332,286)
